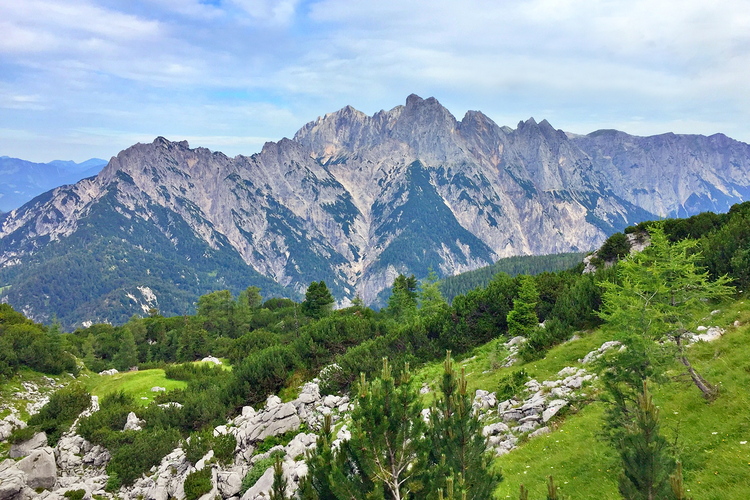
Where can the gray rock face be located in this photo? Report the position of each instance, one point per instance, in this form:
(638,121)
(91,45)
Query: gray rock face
(40,468)
(229,483)
(262,488)
(343,191)
(24,449)
(274,420)
(12,479)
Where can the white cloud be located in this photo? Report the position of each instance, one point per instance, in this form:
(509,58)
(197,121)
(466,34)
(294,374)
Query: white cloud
(272,12)
(235,71)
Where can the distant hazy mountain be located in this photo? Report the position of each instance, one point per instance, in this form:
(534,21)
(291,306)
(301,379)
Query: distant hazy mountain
(351,199)
(22,180)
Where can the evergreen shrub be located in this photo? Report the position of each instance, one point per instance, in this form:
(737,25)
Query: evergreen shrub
(197,483)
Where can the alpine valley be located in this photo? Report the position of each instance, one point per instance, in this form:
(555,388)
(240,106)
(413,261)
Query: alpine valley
(353,200)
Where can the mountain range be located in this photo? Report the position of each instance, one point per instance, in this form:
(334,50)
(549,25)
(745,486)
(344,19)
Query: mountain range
(351,199)
(22,180)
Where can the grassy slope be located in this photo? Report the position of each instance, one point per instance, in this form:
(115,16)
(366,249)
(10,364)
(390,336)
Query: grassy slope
(708,437)
(9,389)
(138,384)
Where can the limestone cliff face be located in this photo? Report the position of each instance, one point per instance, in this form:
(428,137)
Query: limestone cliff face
(355,199)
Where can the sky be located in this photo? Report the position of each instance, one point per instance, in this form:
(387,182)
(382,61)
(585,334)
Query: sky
(88,78)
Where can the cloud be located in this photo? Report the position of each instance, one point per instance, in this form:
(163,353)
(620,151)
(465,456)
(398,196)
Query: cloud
(253,69)
(272,12)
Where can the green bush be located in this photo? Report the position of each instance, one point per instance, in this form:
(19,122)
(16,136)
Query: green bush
(192,371)
(262,373)
(59,413)
(21,435)
(111,417)
(511,385)
(280,440)
(542,339)
(197,483)
(113,483)
(138,451)
(257,470)
(616,246)
(197,446)
(224,447)
(75,494)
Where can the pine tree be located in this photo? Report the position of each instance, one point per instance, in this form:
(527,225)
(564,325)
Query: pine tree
(522,320)
(644,453)
(386,451)
(278,490)
(459,450)
(676,482)
(523,493)
(402,304)
(393,453)
(127,355)
(318,300)
(430,298)
(316,485)
(552,493)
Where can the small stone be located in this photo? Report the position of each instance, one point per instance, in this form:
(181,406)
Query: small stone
(540,432)
(133,423)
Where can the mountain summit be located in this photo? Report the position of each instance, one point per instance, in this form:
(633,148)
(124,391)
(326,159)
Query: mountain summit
(353,200)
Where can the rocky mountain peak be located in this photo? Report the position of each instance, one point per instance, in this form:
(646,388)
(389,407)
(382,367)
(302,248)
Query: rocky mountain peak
(354,200)
(528,124)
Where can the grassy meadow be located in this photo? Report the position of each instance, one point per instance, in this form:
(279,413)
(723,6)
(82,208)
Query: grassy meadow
(711,439)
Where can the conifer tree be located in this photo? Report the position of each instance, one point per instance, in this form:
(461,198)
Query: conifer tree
(676,482)
(393,453)
(552,493)
(402,304)
(316,485)
(430,297)
(387,442)
(522,320)
(459,450)
(127,355)
(523,493)
(644,453)
(278,489)
(660,292)
(318,300)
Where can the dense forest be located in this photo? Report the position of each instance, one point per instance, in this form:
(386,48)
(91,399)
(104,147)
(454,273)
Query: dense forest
(272,344)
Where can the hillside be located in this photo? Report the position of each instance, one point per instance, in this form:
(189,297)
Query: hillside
(351,199)
(513,266)
(710,439)
(548,399)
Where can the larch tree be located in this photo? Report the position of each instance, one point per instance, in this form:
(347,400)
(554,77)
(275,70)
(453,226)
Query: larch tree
(660,292)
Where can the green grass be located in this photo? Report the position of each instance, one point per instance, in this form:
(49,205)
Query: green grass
(137,384)
(707,436)
(9,387)
(583,466)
